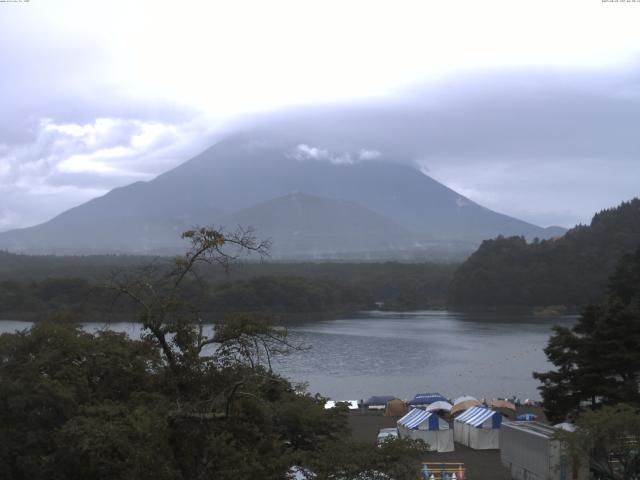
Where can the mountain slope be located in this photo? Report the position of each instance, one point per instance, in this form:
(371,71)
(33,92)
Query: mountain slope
(306,225)
(571,270)
(239,173)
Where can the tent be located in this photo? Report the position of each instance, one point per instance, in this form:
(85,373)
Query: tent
(463,398)
(464,405)
(378,402)
(424,399)
(527,417)
(478,428)
(427,426)
(395,408)
(435,406)
(503,404)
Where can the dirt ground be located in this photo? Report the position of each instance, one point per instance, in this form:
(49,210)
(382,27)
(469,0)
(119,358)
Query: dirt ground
(479,464)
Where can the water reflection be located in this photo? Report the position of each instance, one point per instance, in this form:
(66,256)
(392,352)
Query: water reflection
(479,353)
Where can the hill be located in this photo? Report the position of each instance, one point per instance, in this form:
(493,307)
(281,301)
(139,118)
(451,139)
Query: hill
(571,270)
(240,179)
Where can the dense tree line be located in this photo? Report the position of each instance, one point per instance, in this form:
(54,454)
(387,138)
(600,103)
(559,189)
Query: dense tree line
(598,360)
(175,404)
(78,284)
(571,270)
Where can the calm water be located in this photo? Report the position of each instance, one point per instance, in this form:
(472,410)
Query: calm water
(380,353)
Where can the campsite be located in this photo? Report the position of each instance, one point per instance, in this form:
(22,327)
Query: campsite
(480,456)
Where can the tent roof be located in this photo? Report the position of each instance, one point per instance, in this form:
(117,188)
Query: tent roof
(459,407)
(503,404)
(426,398)
(414,418)
(526,417)
(476,416)
(463,398)
(440,405)
(380,399)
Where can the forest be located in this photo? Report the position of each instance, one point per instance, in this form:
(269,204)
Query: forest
(33,285)
(571,270)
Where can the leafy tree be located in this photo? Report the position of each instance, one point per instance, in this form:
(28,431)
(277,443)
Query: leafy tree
(609,438)
(181,402)
(598,360)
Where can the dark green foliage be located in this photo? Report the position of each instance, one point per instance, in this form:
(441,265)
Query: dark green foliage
(276,288)
(571,270)
(178,404)
(607,438)
(598,360)
(74,405)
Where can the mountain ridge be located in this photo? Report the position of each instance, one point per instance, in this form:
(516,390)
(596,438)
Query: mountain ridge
(240,173)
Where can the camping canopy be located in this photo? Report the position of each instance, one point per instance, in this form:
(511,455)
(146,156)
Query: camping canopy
(461,406)
(478,428)
(478,416)
(527,417)
(426,399)
(429,427)
(435,406)
(503,404)
(379,400)
(463,398)
(395,408)
(420,418)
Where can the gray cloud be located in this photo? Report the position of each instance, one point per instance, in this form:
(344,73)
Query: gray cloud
(547,146)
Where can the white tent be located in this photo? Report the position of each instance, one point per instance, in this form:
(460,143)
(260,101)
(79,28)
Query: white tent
(463,398)
(428,427)
(478,428)
(435,406)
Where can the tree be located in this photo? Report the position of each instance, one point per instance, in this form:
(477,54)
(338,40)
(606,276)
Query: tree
(598,360)
(609,438)
(181,402)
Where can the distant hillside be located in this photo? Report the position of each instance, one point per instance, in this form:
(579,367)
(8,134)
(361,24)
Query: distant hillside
(306,225)
(380,208)
(571,270)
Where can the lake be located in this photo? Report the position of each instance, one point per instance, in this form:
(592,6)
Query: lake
(486,355)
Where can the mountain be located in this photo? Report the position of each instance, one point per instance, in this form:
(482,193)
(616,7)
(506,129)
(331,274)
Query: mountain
(571,270)
(300,224)
(357,206)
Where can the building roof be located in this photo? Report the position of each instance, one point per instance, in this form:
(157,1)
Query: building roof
(535,428)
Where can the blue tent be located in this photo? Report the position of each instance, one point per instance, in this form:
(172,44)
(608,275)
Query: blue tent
(478,428)
(429,427)
(527,417)
(423,399)
(380,400)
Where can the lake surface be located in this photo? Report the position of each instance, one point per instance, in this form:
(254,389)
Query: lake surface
(385,353)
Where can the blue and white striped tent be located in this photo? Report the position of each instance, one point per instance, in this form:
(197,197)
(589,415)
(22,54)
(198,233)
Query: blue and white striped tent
(478,428)
(429,427)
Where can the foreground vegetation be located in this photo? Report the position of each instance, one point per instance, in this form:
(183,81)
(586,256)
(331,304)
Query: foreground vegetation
(174,404)
(596,378)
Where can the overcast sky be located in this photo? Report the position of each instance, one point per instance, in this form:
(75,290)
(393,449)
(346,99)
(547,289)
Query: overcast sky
(529,108)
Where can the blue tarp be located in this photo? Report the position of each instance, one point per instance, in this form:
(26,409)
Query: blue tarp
(426,399)
(526,417)
(380,399)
